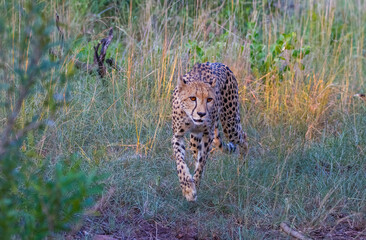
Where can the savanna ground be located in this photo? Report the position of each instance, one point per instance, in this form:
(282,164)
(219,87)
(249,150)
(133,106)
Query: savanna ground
(298,64)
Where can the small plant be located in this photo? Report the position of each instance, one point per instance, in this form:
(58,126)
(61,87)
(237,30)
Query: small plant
(197,51)
(33,205)
(264,61)
(200,53)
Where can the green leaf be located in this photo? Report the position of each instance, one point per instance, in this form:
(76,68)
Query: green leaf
(199,51)
(289,46)
(278,49)
(286,68)
(307,50)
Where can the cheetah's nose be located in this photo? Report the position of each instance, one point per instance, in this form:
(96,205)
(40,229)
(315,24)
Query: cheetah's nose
(201,114)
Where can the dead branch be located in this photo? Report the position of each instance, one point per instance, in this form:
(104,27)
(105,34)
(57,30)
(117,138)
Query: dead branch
(99,58)
(286,228)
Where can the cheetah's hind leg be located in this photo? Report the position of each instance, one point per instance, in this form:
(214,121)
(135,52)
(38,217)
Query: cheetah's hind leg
(224,147)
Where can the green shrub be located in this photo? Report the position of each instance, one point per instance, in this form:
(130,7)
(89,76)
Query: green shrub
(37,197)
(265,60)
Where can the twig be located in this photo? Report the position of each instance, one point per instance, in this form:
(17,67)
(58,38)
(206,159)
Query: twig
(293,232)
(58,53)
(59,31)
(26,129)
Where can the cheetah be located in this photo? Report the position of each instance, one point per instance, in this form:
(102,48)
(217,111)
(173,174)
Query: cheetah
(204,95)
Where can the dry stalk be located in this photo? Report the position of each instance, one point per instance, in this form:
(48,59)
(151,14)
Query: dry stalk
(292,232)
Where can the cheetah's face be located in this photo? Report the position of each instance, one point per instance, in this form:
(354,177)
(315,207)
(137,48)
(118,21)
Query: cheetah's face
(197,100)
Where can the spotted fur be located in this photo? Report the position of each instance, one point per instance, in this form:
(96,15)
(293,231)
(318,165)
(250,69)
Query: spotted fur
(202,97)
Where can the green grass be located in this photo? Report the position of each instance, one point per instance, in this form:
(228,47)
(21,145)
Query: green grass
(307,133)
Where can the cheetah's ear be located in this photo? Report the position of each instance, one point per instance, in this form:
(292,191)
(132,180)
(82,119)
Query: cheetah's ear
(213,82)
(181,82)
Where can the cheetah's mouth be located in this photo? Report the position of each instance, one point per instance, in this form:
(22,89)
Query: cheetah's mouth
(198,120)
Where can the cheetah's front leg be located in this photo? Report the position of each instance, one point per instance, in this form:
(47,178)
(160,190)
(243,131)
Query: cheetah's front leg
(203,151)
(185,178)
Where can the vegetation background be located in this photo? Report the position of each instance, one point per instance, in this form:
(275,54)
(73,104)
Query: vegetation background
(298,64)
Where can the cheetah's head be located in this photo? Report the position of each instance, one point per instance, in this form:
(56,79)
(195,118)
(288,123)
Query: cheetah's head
(197,99)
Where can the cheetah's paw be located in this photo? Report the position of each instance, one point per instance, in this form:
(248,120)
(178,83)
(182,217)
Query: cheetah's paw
(231,147)
(190,191)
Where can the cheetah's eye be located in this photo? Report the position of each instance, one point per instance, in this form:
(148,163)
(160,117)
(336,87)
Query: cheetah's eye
(193,98)
(209,99)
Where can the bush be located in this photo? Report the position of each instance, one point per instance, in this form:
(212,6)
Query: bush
(36,198)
